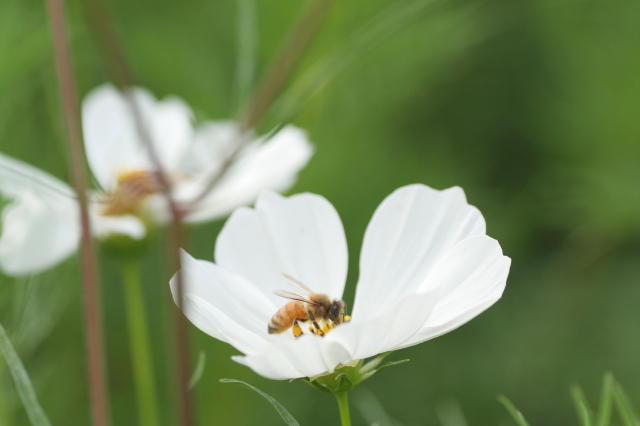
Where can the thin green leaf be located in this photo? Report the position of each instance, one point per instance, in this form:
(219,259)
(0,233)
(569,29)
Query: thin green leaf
(392,363)
(286,416)
(515,413)
(606,401)
(625,408)
(198,371)
(23,384)
(582,406)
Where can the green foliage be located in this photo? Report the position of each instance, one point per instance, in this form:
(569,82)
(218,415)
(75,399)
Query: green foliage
(517,416)
(627,412)
(612,396)
(582,406)
(286,416)
(531,107)
(603,417)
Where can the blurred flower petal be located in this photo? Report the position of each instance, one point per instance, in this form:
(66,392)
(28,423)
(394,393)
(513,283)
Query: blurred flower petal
(212,142)
(37,234)
(17,177)
(39,226)
(111,138)
(129,225)
(272,164)
(131,197)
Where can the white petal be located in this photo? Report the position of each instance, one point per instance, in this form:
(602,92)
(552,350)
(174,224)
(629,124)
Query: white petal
(387,329)
(17,177)
(306,356)
(273,165)
(155,209)
(301,236)
(37,233)
(469,279)
(213,141)
(39,225)
(111,138)
(224,305)
(106,226)
(409,233)
(288,358)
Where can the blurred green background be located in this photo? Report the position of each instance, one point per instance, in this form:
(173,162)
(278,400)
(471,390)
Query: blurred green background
(531,107)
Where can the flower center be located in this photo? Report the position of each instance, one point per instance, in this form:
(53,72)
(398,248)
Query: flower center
(132,188)
(317,327)
(322,327)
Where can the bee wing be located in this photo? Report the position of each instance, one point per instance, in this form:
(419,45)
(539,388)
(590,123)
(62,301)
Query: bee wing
(298,283)
(293,296)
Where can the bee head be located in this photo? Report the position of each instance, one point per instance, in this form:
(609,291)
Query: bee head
(336,311)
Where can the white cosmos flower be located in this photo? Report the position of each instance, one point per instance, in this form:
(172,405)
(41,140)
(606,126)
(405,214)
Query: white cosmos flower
(40,225)
(426,267)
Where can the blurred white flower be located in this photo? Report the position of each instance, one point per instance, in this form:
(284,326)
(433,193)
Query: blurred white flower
(40,225)
(426,267)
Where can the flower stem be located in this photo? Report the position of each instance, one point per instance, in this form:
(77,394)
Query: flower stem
(139,344)
(343,406)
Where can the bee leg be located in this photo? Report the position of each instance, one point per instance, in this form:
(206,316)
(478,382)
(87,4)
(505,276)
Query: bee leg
(296,329)
(318,330)
(315,328)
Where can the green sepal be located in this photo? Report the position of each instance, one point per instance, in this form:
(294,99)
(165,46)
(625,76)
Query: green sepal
(346,377)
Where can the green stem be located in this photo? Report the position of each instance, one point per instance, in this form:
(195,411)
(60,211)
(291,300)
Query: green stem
(343,406)
(139,345)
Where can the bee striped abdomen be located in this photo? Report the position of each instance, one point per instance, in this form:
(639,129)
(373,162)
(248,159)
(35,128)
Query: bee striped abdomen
(284,317)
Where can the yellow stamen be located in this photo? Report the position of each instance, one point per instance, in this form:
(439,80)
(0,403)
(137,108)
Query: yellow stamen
(133,186)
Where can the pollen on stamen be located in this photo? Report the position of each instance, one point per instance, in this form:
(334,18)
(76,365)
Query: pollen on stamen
(133,186)
(325,326)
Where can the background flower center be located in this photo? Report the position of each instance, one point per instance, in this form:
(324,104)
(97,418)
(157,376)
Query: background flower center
(132,188)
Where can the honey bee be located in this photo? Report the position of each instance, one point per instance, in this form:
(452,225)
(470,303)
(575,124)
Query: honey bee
(314,307)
